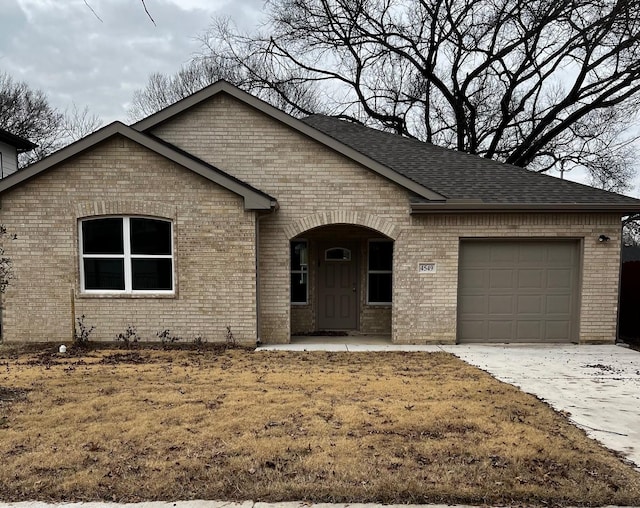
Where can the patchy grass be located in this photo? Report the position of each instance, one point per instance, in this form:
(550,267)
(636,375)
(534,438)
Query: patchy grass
(325,427)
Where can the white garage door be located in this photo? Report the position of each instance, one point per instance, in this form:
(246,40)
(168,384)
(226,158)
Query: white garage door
(518,291)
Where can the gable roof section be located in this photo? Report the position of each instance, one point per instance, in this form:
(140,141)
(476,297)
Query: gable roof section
(20,143)
(470,182)
(254,199)
(442,180)
(219,87)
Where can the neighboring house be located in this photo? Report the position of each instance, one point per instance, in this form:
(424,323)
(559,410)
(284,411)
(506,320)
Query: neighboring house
(221,210)
(10,146)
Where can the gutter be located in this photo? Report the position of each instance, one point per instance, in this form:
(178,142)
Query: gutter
(464,206)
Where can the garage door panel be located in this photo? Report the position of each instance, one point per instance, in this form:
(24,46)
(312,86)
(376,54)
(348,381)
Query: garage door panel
(529,304)
(503,254)
(560,278)
(501,304)
(475,331)
(558,255)
(500,330)
(533,254)
(556,330)
(514,290)
(530,278)
(501,279)
(558,304)
(474,304)
(528,330)
(474,278)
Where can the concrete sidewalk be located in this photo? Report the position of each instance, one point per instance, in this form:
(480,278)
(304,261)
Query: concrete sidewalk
(228,504)
(597,386)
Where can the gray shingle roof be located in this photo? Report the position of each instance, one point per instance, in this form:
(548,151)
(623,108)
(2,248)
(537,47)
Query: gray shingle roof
(458,175)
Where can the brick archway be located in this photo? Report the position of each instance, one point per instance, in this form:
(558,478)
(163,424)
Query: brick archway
(363,219)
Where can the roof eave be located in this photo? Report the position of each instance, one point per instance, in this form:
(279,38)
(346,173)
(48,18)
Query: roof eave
(461,207)
(169,112)
(253,199)
(21,144)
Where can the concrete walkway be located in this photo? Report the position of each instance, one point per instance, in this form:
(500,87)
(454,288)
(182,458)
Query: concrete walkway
(598,386)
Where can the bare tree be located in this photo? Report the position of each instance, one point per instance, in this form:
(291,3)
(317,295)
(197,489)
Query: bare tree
(536,84)
(78,123)
(631,230)
(144,6)
(27,113)
(162,90)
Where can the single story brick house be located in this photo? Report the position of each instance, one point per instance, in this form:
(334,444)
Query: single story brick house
(221,210)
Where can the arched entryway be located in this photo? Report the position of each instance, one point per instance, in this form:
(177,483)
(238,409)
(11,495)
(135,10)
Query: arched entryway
(341,281)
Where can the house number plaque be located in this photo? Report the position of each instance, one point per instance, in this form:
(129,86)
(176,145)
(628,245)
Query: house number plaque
(426,268)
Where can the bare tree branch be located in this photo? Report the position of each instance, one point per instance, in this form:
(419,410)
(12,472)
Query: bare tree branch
(520,82)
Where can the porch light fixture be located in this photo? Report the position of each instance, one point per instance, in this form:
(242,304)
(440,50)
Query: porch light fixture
(603,238)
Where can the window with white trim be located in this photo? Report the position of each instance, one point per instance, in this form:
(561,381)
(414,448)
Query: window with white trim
(126,255)
(379,272)
(299,272)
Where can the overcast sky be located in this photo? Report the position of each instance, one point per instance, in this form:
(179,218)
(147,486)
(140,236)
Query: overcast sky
(63,49)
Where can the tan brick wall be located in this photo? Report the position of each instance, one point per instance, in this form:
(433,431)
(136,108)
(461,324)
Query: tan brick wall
(306,178)
(432,318)
(315,187)
(214,243)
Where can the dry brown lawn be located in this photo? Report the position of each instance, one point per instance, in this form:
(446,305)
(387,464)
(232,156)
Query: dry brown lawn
(343,427)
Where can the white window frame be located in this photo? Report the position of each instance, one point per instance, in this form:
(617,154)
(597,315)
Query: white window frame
(369,271)
(301,272)
(127,256)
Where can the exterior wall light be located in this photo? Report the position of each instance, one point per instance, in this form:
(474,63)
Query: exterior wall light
(603,238)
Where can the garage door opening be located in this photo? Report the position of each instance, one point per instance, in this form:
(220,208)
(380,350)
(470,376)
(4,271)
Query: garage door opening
(518,291)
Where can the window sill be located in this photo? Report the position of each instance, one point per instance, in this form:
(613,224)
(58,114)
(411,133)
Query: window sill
(299,304)
(380,305)
(128,296)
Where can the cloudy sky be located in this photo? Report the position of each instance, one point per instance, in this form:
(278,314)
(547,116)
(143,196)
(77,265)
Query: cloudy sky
(62,48)
(96,53)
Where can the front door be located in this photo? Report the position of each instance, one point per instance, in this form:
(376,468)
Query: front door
(337,287)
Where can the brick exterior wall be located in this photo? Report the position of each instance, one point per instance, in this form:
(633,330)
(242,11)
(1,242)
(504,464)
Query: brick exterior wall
(215,251)
(214,242)
(316,187)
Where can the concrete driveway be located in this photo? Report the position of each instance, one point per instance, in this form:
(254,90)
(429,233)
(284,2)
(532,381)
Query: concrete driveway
(598,385)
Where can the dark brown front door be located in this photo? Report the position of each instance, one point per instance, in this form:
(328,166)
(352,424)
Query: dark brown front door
(338,287)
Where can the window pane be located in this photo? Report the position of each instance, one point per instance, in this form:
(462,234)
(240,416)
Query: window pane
(104,273)
(298,255)
(337,254)
(149,236)
(102,236)
(151,274)
(298,288)
(379,287)
(380,255)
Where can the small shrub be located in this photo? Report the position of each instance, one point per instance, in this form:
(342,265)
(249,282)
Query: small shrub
(230,340)
(129,338)
(199,341)
(6,268)
(82,332)
(166,338)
